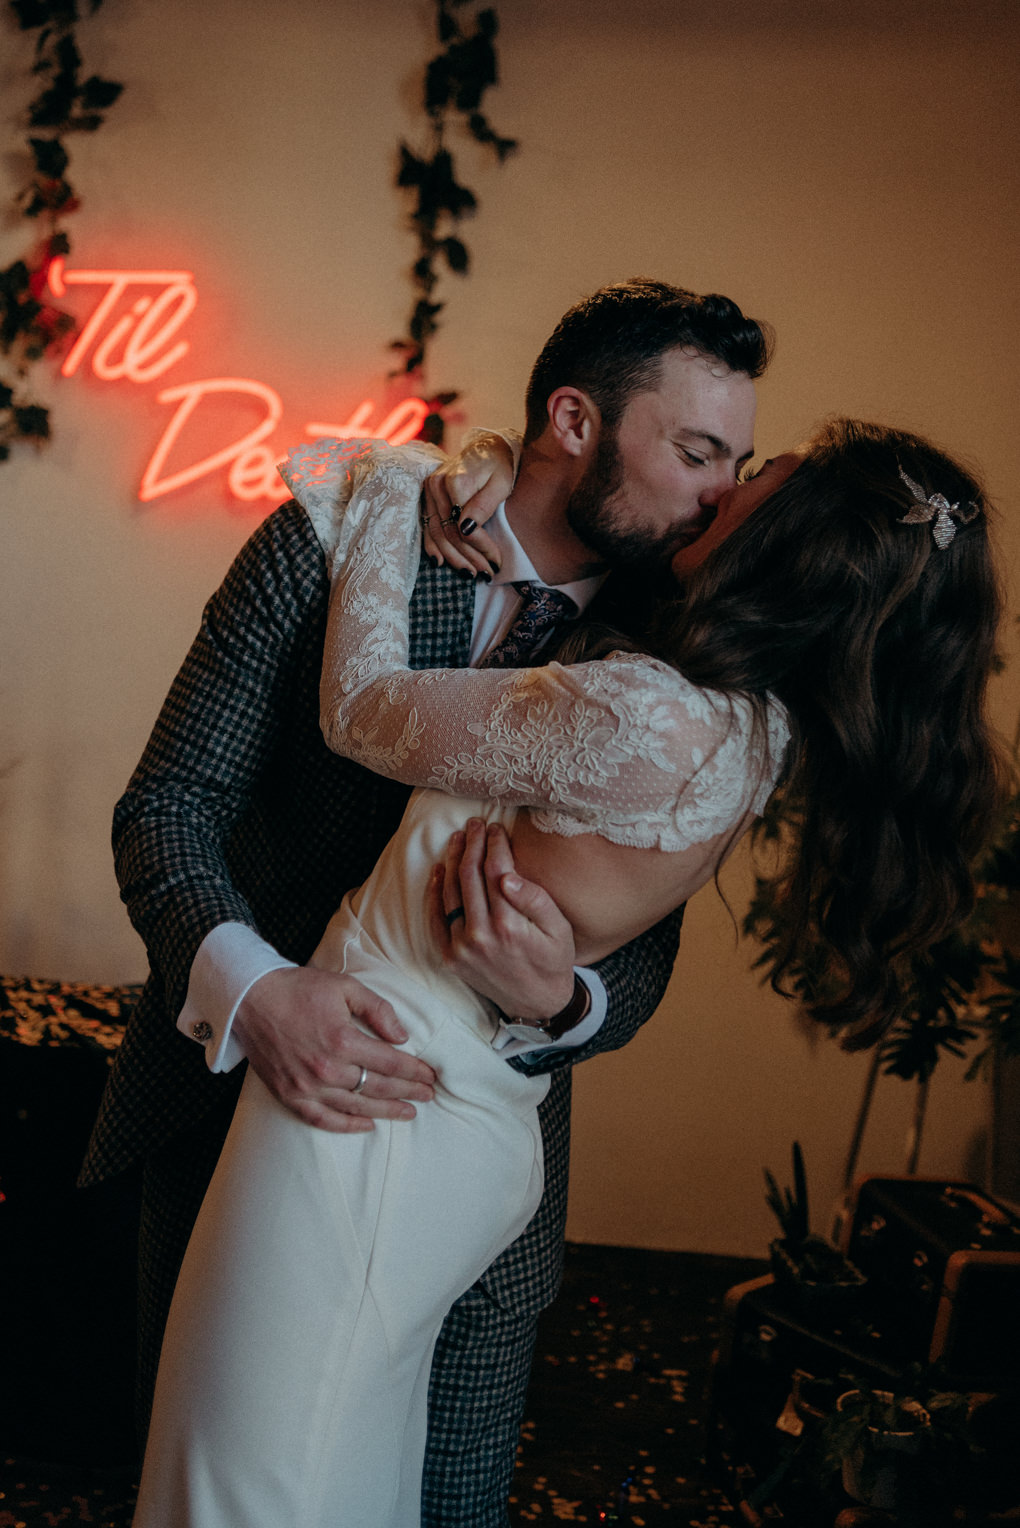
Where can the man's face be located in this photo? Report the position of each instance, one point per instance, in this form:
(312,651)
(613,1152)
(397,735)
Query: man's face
(652,487)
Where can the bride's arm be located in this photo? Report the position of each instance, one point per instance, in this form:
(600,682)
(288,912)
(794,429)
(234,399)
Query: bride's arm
(610,747)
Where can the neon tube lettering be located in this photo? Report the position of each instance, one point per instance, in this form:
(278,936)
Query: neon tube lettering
(178,287)
(136,347)
(191,395)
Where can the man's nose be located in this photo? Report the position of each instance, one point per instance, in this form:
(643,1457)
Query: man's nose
(723,478)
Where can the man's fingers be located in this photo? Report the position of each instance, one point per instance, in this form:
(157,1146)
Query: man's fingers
(381,1061)
(534,902)
(499,858)
(377,1013)
(471,876)
(435,909)
(451,871)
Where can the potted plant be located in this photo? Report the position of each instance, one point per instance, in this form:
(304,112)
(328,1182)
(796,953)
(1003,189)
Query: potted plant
(820,1282)
(905,1452)
(876,1437)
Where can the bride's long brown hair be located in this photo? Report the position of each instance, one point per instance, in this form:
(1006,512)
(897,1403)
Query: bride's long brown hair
(880,645)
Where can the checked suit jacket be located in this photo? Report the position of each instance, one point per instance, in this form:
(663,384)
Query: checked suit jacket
(238,811)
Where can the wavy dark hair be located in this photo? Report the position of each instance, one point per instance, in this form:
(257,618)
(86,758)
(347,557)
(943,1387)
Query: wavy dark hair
(880,646)
(611,345)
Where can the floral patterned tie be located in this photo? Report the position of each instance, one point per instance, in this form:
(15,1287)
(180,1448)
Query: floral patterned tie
(541,611)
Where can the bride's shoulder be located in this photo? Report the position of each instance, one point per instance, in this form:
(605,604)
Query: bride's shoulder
(638,681)
(323,475)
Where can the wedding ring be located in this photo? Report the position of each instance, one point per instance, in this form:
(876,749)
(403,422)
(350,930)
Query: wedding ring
(453,915)
(361,1080)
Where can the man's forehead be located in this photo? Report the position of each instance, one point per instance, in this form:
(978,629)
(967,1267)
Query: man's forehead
(699,396)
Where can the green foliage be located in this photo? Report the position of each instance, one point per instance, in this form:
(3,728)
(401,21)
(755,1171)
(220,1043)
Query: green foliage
(456,80)
(30,327)
(790,1207)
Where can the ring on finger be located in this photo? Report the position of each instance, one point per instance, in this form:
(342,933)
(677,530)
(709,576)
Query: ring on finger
(453,915)
(361,1080)
(451,520)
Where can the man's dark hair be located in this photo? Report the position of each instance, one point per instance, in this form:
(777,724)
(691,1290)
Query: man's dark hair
(611,344)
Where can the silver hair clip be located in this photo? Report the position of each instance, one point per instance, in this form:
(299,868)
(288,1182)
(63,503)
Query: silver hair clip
(938,508)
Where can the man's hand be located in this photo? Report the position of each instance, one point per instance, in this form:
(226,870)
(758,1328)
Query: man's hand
(513,944)
(460,497)
(298,1031)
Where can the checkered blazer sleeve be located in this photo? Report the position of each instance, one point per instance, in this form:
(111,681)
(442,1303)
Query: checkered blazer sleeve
(217,727)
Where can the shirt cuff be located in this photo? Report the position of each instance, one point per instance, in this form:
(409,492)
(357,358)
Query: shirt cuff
(228,963)
(510,1046)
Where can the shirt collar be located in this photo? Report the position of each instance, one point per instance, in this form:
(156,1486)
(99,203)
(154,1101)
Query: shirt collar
(517,566)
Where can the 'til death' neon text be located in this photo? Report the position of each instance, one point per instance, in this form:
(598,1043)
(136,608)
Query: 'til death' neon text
(131,335)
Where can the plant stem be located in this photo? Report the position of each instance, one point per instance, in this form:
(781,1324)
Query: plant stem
(862,1119)
(916,1130)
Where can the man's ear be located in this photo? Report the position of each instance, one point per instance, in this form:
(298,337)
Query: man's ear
(574,419)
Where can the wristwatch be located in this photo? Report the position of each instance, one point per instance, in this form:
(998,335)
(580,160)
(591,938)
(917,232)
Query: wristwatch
(547,1031)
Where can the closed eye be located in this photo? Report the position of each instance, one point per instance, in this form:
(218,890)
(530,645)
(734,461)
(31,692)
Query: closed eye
(747,476)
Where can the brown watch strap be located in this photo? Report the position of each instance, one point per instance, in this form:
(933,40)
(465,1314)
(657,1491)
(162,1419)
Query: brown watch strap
(573,1013)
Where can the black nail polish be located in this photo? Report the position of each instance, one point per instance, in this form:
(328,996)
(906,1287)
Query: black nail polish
(465,573)
(454,513)
(483,578)
(433,560)
(494,566)
(467,526)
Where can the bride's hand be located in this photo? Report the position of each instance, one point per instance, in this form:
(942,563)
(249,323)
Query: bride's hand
(513,945)
(460,497)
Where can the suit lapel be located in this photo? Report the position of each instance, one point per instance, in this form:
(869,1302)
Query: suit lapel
(441,616)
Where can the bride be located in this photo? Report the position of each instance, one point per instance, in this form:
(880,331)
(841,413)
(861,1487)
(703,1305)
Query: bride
(841,638)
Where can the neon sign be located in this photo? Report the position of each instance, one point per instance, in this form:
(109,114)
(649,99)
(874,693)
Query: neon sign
(139,345)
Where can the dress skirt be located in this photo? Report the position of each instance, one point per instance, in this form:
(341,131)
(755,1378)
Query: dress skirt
(293,1381)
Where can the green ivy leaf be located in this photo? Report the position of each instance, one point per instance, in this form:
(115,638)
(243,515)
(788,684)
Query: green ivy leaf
(412,170)
(15,279)
(423,319)
(51,158)
(438,83)
(456,255)
(33,421)
(30,13)
(98,94)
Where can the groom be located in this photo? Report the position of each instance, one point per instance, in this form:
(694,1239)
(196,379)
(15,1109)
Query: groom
(239,834)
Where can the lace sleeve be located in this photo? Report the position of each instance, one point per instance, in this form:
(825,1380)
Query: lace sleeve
(625,747)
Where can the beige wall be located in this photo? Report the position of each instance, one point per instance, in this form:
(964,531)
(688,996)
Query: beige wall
(854,181)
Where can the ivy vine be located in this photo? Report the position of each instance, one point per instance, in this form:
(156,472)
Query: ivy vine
(456,80)
(66,103)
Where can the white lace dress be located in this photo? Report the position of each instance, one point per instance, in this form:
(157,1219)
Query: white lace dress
(293,1382)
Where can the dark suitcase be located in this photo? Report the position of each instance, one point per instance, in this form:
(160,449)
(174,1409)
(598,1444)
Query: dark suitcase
(945,1257)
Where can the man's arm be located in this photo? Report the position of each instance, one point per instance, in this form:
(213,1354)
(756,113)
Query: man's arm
(213,742)
(514,945)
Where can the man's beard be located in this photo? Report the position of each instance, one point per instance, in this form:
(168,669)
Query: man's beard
(593,519)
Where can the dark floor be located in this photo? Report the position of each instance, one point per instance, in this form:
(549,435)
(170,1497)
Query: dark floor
(614,1421)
